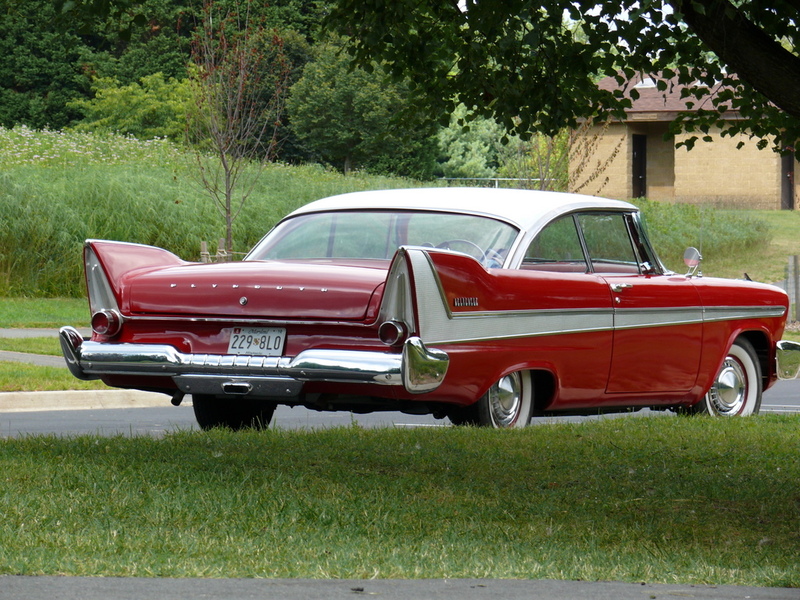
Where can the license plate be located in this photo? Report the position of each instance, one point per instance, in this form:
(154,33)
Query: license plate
(257,341)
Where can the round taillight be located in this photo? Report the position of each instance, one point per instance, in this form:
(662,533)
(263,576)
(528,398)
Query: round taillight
(106,322)
(392,333)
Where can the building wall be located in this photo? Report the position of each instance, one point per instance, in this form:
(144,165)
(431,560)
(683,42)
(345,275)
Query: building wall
(600,162)
(718,173)
(715,172)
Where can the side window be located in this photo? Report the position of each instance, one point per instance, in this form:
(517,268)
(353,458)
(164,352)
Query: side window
(608,243)
(556,248)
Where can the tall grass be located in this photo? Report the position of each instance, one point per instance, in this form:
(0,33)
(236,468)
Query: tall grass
(718,234)
(59,188)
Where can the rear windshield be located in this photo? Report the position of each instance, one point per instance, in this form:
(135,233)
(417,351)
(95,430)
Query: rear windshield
(378,235)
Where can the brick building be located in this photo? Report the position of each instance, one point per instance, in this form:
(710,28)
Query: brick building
(715,172)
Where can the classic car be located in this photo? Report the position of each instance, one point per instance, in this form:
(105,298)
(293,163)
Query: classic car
(485,306)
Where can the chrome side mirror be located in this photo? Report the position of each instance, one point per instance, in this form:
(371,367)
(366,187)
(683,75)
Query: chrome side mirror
(692,259)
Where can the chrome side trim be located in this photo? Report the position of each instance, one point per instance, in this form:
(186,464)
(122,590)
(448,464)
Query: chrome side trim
(636,318)
(787,357)
(249,321)
(730,313)
(419,368)
(723,313)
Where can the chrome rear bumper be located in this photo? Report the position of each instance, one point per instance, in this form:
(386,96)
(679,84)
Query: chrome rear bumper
(788,359)
(418,369)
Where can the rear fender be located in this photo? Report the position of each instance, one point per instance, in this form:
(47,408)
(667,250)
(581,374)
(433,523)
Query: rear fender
(414,294)
(457,300)
(495,321)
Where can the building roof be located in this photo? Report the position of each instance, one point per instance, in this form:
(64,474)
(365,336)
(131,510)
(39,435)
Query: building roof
(659,105)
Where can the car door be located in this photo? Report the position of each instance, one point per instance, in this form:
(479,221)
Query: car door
(564,289)
(658,317)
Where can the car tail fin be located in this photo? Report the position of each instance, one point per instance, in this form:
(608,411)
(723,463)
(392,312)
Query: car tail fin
(107,262)
(398,304)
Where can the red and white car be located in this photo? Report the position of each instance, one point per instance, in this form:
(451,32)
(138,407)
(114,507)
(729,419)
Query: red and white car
(481,305)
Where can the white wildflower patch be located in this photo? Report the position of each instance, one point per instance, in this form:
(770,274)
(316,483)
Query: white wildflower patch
(24,146)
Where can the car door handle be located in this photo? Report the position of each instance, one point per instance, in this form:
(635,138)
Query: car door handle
(618,287)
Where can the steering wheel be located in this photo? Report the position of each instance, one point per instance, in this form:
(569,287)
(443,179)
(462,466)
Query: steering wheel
(472,248)
(492,259)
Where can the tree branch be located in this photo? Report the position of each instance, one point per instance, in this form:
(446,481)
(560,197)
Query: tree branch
(746,49)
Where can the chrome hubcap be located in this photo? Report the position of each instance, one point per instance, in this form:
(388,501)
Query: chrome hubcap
(729,393)
(505,399)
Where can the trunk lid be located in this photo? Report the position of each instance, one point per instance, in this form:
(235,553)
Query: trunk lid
(317,290)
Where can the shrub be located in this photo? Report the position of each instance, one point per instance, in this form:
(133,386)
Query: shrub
(154,108)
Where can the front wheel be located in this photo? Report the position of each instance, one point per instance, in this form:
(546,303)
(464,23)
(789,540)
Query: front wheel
(736,390)
(232,413)
(507,404)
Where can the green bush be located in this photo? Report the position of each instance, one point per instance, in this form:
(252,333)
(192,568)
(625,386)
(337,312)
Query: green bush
(149,109)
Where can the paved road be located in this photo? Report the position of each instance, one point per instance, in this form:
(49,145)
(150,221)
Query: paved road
(135,413)
(112,588)
(156,420)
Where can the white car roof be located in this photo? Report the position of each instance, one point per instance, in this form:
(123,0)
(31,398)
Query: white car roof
(523,208)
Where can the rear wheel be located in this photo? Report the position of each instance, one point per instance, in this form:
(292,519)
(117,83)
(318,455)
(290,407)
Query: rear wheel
(736,390)
(507,404)
(232,413)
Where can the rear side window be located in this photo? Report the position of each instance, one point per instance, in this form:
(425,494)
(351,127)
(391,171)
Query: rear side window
(376,234)
(556,248)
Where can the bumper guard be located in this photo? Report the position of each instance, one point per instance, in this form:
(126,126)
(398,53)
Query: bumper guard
(788,359)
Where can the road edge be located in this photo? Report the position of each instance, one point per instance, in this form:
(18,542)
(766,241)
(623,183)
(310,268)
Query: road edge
(79,400)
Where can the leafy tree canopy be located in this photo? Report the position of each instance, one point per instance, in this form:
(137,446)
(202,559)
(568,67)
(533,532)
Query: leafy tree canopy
(54,50)
(534,66)
(127,19)
(345,115)
(472,153)
(40,71)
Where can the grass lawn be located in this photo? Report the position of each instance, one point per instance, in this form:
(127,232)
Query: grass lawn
(49,346)
(769,264)
(43,312)
(22,377)
(662,499)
